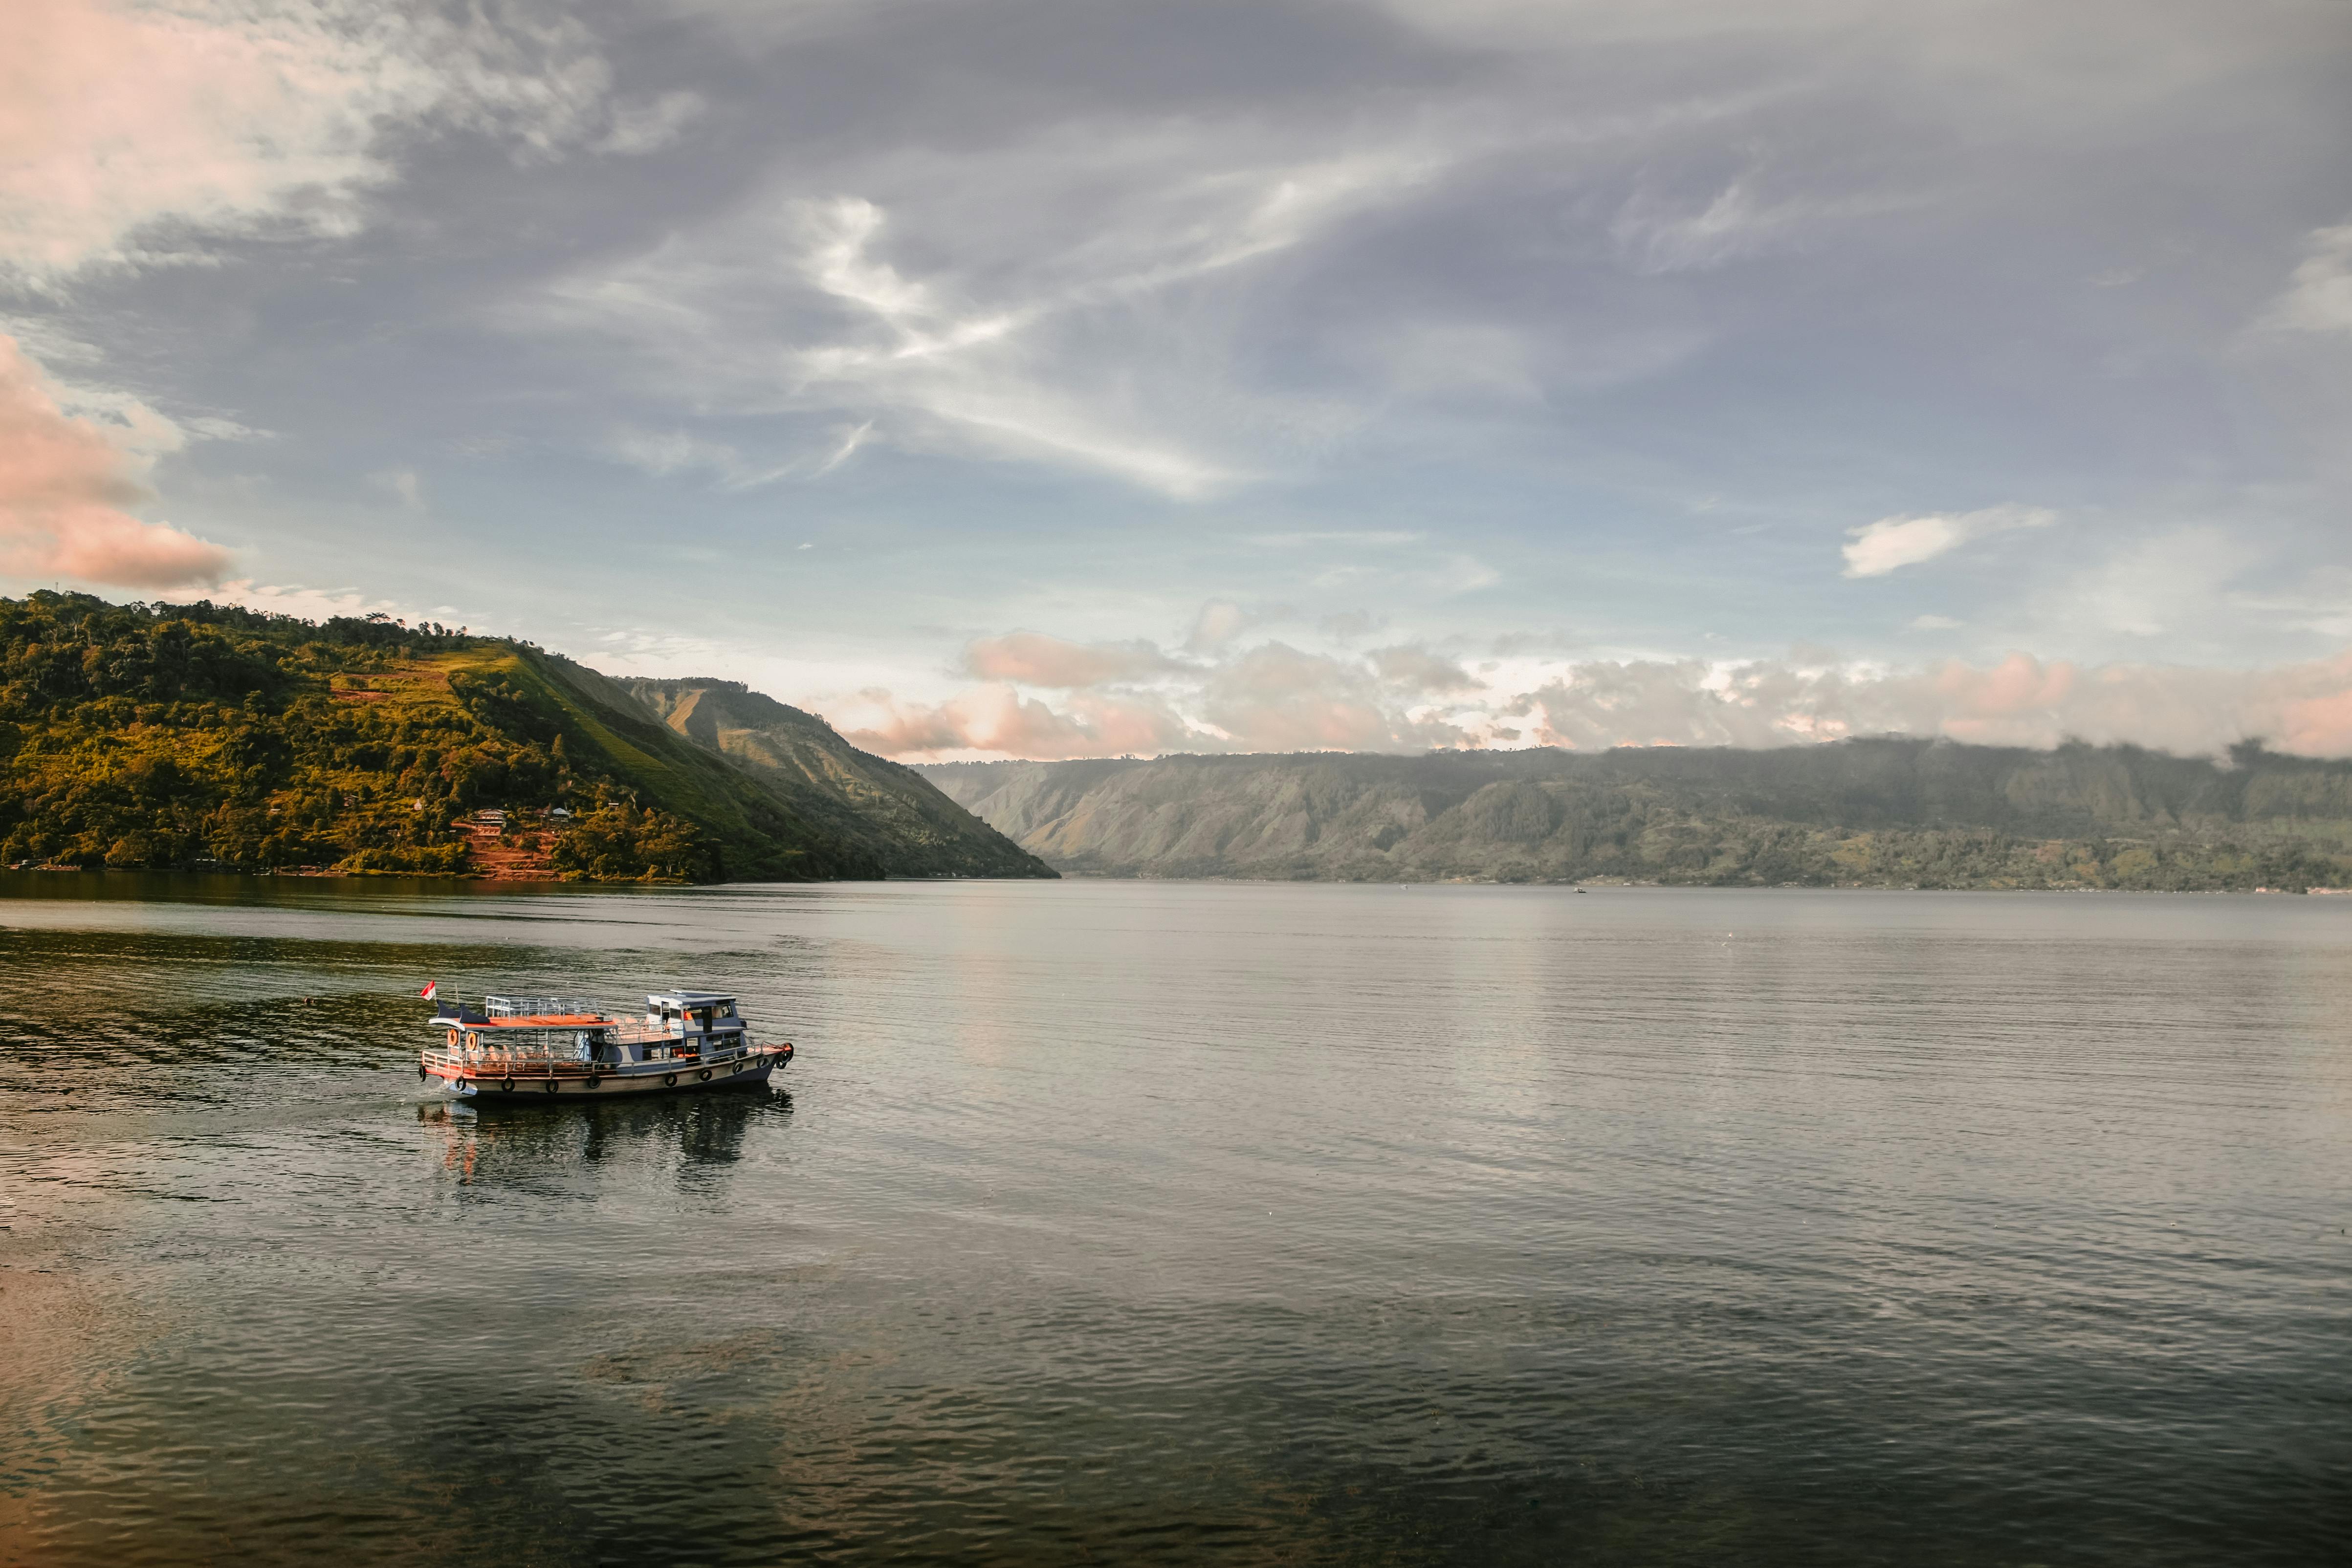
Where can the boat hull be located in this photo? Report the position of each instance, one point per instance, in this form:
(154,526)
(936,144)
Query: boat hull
(488,1083)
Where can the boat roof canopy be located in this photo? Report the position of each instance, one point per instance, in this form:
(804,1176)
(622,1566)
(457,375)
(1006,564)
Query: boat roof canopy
(685,999)
(456,1015)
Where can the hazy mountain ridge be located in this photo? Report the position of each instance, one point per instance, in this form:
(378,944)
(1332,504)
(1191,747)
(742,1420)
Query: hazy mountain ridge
(1888,812)
(889,811)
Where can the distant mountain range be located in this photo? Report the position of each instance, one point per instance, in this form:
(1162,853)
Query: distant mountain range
(216,737)
(1882,812)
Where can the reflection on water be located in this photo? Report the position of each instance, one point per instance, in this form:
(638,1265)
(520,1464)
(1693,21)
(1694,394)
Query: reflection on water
(486,1143)
(1113,1221)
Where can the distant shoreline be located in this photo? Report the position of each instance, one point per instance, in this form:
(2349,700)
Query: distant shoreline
(292,874)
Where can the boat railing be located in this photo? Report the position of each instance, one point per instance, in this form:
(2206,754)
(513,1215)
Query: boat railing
(558,1057)
(540,1007)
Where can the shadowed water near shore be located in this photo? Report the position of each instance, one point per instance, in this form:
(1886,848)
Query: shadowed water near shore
(1113,1221)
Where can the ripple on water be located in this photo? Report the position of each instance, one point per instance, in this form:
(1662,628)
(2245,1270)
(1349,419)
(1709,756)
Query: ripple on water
(1168,1221)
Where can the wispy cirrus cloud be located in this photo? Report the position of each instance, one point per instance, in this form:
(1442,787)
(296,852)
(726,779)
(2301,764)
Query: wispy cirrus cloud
(888,310)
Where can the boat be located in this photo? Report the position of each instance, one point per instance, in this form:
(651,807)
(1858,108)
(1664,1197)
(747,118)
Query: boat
(531,1048)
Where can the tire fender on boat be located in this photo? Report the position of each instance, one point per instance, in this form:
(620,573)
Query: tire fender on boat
(506,1085)
(594,1080)
(704,1075)
(552,1085)
(670,1082)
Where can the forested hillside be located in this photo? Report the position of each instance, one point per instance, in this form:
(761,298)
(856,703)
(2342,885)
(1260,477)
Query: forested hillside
(1883,812)
(885,807)
(208,735)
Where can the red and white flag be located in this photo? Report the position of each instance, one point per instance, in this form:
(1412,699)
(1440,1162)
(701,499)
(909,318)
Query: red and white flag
(430,987)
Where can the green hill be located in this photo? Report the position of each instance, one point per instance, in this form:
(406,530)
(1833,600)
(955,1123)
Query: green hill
(208,735)
(889,811)
(1880,813)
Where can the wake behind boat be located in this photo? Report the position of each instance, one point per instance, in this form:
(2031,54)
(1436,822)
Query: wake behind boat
(541,1046)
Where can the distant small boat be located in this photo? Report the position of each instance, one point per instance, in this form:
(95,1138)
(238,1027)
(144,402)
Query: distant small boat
(514,1047)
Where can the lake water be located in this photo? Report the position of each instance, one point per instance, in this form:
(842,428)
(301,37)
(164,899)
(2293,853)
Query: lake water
(1111,1221)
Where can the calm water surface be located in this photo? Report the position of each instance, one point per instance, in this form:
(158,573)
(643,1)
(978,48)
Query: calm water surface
(1111,1221)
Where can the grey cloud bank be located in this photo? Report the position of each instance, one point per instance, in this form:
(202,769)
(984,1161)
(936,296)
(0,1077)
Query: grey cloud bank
(883,355)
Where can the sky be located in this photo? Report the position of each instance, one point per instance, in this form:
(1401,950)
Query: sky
(1039,377)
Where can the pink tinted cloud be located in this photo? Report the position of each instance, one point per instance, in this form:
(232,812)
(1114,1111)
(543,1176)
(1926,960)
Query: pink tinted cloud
(1035,659)
(127,129)
(2320,725)
(1274,697)
(1114,698)
(996,719)
(63,485)
(1979,702)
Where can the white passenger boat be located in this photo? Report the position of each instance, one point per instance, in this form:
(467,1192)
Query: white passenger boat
(533,1047)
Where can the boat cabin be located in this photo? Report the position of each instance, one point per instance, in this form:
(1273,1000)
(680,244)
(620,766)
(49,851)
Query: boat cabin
(689,1014)
(679,1026)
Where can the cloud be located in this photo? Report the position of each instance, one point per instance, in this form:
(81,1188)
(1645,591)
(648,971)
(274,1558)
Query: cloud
(2318,297)
(403,485)
(650,125)
(1368,538)
(65,481)
(1106,699)
(998,720)
(1273,697)
(851,440)
(666,452)
(1891,543)
(1219,623)
(1031,303)
(311,603)
(2173,585)
(2020,701)
(1116,698)
(1413,667)
(230,116)
(1034,659)
(214,427)
(1657,234)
